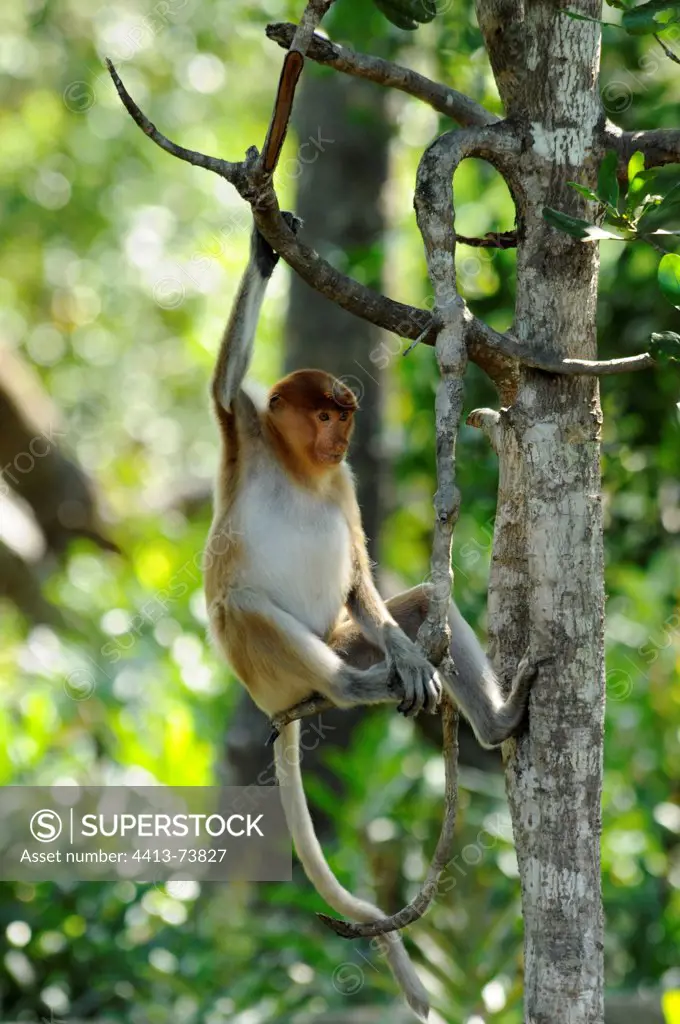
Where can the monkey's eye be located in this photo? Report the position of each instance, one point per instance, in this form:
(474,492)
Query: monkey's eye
(324,416)
(344,415)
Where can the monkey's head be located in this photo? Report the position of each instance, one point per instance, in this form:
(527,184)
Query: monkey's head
(314,412)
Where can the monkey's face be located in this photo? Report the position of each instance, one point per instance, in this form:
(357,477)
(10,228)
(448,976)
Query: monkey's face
(318,438)
(314,412)
(333,430)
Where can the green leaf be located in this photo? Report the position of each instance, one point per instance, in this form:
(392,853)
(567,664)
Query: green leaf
(665,348)
(651,17)
(587,193)
(636,165)
(423,11)
(650,203)
(408,14)
(668,276)
(607,184)
(396,16)
(640,187)
(581,229)
(663,215)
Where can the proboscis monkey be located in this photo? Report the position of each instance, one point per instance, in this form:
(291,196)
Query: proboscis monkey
(291,600)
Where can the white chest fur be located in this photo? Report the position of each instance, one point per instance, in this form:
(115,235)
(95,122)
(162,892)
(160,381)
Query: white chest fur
(297,548)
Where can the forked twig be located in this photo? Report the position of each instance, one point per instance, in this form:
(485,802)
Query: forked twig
(667,50)
(283,107)
(453,104)
(290,75)
(494,352)
(224,168)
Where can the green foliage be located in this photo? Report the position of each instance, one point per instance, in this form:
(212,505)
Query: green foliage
(653,16)
(606,196)
(665,347)
(577,228)
(408,14)
(117,267)
(607,184)
(660,213)
(644,215)
(669,278)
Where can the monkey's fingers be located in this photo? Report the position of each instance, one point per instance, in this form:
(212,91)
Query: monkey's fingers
(292,220)
(434,695)
(422,689)
(409,705)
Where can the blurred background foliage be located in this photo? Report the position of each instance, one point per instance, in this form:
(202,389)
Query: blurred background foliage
(117,268)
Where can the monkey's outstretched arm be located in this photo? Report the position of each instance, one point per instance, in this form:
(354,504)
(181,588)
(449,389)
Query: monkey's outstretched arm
(237,342)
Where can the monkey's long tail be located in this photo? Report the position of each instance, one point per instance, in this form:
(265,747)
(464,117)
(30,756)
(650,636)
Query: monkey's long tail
(287,755)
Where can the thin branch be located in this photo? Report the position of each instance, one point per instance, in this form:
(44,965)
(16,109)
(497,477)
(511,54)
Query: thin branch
(434,207)
(435,214)
(442,854)
(496,353)
(453,104)
(290,75)
(660,146)
(222,167)
(233,172)
(604,367)
(422,337)
(311,16)
(256,188)
(525,354)
(313,705)
(491,240)
(283,107)
(667,50)
(403,320)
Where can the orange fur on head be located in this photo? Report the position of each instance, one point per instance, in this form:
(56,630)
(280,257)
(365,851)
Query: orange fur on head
(309,421)
(312,390)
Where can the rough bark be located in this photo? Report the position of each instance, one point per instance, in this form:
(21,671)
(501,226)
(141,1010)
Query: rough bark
(546,583)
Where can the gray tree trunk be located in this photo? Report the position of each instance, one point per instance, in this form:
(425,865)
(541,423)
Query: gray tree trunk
(547,570)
